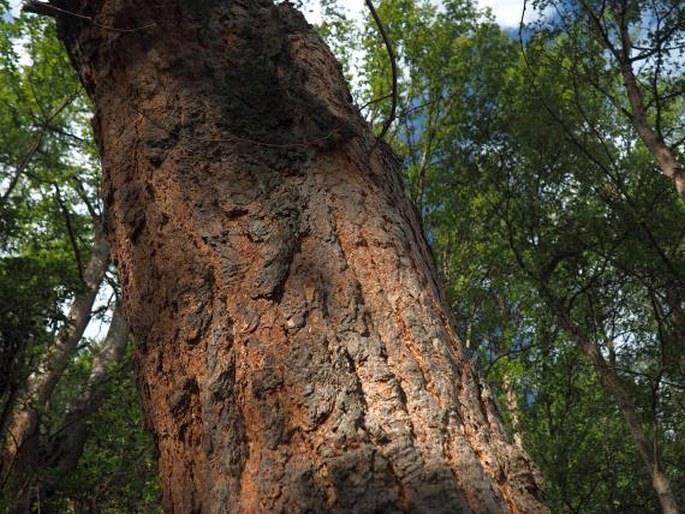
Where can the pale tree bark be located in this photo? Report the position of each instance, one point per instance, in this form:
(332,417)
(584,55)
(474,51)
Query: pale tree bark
(662,153)
(510,398)
(625,404)
(69,448)
(294,351)
(511,402)
(20,449)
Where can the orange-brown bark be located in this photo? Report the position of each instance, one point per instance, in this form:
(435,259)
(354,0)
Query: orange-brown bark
(295,353)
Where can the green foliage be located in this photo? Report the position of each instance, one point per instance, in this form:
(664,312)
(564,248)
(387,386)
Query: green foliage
(118,469)
(49,178)
(341,34)
(44,236)
(575,434)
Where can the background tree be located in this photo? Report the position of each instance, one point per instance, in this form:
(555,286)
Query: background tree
(527,171)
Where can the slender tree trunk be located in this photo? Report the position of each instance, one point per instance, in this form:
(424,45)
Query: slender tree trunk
(512,408)
(507,383)
(73,436)
(20,451)
(294,351)
(626,407)
(660,151)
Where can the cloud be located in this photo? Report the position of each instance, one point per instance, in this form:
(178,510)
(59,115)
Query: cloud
(507,12)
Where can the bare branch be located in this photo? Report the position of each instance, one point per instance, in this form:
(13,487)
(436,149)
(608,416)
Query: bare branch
(33,148)
(393,66)
(49,9)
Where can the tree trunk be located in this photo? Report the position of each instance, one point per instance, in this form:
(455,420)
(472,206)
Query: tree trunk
(661,153)
(512,406)
(20,449)
(294,351)
(626,407)
(72,438)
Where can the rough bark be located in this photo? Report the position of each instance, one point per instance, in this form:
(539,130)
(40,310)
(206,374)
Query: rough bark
(626,407)
(21,442)
(294,351)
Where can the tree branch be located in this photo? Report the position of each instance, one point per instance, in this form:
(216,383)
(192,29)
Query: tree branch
(393,66)
(34,146)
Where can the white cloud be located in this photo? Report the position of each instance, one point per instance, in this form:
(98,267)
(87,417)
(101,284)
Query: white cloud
(355,9)
(507,12)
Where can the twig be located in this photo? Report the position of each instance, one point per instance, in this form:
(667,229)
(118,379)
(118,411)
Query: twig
(375,101)
(28,155)
(70,230)
(48,9)
(33,148)
(393,66)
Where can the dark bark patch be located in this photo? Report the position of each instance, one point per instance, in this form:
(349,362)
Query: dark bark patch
(266,381)
(222,386)
(180,400)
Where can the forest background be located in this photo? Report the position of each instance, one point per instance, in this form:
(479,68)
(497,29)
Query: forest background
(540,170)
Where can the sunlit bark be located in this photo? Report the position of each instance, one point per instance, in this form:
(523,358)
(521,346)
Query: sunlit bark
(294,351)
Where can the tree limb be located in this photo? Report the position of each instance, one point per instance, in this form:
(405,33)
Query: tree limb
(393,66)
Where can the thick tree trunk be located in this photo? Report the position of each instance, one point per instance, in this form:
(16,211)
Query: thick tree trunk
(294,351)
(20,449)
